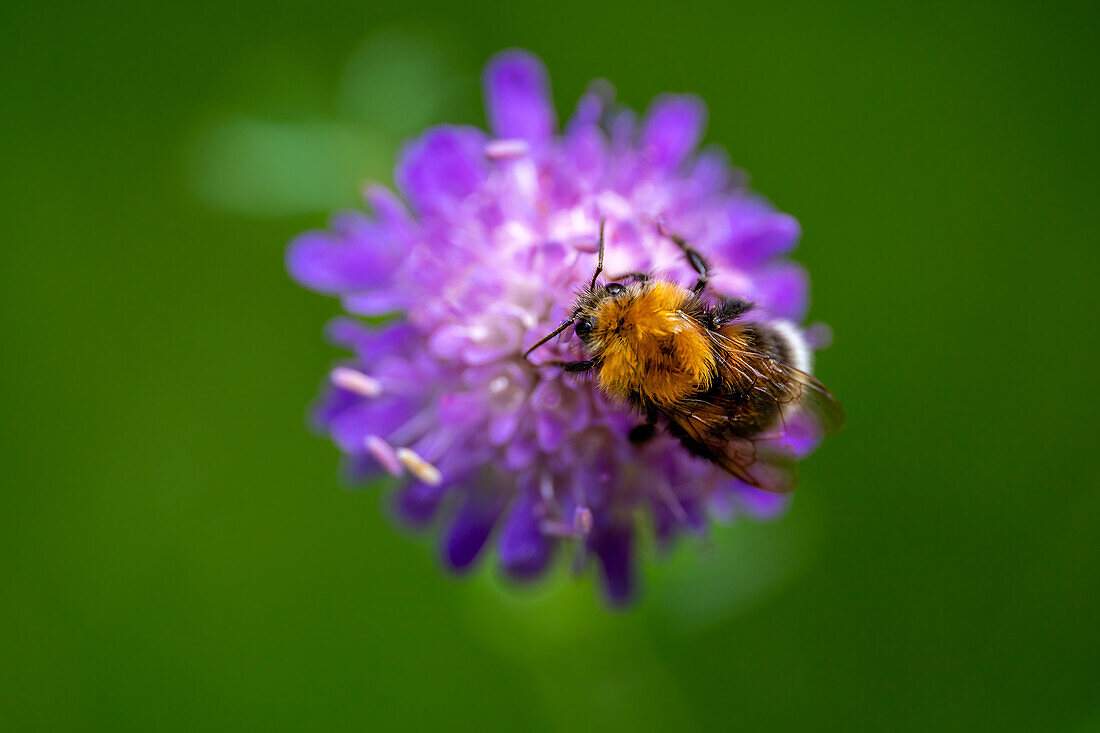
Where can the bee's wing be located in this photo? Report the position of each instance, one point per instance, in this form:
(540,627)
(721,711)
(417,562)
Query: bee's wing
(809,410)
(808,413)
(701,427)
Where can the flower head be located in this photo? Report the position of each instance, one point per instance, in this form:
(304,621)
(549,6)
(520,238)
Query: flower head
(480,256)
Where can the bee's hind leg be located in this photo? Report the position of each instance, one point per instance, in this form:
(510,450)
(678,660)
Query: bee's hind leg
(729,309)
(640,434)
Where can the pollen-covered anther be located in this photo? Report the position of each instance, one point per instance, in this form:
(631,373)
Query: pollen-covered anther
(582,520)
(418,467)
(580,527)
(506,149)
(383,453)
(355,381)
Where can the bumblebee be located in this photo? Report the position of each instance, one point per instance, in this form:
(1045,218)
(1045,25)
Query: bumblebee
(732,389)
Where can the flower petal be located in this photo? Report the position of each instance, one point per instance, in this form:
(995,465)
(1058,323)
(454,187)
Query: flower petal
(517,97)
(388,208)
(524,549)
(470,529)
(375,303)
(614,547)
(549,432)
(758,234)
(417,503)
(672,129)
(330,405)
(351,427)
(589,110)
(503,426)
(761,505)
(783,290)
(367,342)
(331,264)
(520,452)
(442,167)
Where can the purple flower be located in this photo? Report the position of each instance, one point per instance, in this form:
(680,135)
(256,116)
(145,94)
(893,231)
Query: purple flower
(480,257)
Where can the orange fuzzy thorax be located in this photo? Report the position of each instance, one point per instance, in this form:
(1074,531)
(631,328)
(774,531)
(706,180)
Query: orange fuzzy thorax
(650,347)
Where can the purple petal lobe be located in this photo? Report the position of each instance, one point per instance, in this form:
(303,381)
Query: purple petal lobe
(330,405)
(548,430)
(442,167)
(375,302)
(367,342)
(587,113)
(614,546)
(772,235)
(332,265)
(502,427)
(519,453)
(673,128)
(783,291)
(417,503)
(388,208)
(469,530)
(524,549)
(517,97)
(761,504)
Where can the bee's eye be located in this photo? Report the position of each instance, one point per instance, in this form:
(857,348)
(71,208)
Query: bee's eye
(584,327)
(615,288)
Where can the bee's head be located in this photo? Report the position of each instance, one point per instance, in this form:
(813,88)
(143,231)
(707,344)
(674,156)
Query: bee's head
(586,315)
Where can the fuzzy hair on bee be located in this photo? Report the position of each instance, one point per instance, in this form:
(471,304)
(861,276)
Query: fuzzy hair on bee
(651,343)
(732,389)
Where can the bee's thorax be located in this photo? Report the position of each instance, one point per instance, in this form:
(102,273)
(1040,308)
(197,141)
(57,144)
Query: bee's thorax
(650,344)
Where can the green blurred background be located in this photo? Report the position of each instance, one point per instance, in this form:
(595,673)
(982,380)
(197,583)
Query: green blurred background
(176,552)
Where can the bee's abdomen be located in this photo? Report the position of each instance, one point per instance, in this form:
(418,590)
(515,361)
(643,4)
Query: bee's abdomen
(761,381)
(783,341)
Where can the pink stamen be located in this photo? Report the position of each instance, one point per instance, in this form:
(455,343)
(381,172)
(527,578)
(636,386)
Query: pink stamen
(383,453)
(355,381)
(507,149)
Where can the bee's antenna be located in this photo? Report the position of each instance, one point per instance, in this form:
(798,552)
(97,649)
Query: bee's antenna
(551,335)
(599,264)
(569,322)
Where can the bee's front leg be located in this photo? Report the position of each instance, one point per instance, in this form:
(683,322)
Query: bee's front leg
(571,366)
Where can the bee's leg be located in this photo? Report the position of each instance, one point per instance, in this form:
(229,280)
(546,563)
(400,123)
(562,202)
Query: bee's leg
(639,277)
(643,433)
(692,256)
(729,309)
(571,366)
